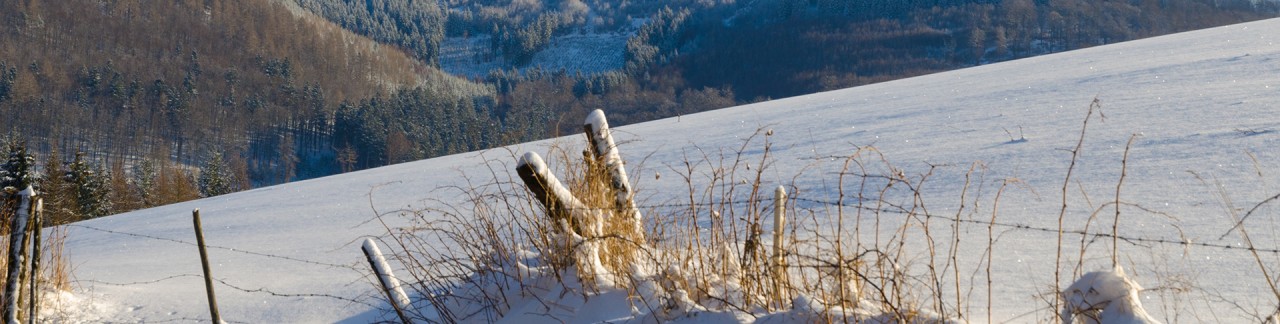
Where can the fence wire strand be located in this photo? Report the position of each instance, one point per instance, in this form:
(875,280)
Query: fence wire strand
(1134,240)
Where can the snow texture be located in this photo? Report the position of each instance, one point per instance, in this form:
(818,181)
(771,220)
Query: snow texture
(1204,105)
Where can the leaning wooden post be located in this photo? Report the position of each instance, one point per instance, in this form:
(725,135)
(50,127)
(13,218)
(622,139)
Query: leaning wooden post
(17,255)
(37,226)
(779,261)
(578,221)
(542,185)
(204,262)
(561,204)
(390,285)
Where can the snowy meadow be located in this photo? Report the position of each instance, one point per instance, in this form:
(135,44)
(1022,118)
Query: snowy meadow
(975,195)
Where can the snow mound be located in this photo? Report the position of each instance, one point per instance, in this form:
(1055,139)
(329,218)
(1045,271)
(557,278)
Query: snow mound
(66,307)
(1104,297)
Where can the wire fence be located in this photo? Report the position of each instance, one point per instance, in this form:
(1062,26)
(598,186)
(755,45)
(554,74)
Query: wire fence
(223,281)
(1135,240)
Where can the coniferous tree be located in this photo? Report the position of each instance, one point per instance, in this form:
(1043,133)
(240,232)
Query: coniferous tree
(92,191)
(144,180)
(215,178)
(103,196)
(16,171)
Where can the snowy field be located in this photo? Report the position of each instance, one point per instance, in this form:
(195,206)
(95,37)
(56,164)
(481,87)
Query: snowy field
(1203,104)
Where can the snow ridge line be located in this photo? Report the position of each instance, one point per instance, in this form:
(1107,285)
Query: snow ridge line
(267,255)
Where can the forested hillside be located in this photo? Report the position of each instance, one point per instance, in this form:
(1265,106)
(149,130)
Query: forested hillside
(830,44)
(689,56)
(416,26)
(145,93)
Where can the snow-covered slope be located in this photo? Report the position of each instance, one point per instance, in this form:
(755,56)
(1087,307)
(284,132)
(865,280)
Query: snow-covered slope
(1204,104)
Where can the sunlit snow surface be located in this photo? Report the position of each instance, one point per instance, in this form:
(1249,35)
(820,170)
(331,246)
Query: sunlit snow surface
(1204,104)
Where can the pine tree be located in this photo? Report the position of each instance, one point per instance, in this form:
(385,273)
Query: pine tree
(101,193)
(92,191)
(215,178)
(144,179)
(16,171)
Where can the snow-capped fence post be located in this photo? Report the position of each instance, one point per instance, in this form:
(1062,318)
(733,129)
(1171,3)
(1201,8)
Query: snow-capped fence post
(779,261)
(204,262)
(579,222)
(529,169)
(17,255)
(547,189)
(600,138)
(37,224)
(390,285)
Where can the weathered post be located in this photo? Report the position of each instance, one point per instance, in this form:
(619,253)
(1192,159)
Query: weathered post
(37,226)
(543,185)
(779,261)
(17,255)
(390,285)
(600,137)
(204,262)
(579,222)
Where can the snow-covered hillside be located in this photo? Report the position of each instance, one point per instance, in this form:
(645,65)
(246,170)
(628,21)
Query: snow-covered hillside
(1205,106)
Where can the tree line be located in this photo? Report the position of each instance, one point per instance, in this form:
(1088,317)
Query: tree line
(80,189)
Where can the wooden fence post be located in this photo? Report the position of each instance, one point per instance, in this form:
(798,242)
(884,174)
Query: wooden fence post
(17,255)
(600,138)
(204,262)
(547,189)
(779,262)
(37,226)
(576,219)
(390,285)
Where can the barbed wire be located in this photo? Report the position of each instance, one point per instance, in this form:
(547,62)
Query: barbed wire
(1130,239)
(1135,240)
(242,251)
